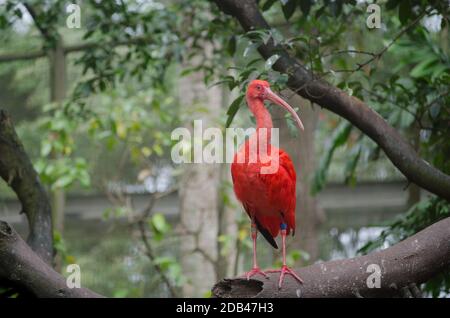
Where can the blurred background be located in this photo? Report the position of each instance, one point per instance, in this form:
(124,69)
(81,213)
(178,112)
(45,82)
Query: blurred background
(96,89)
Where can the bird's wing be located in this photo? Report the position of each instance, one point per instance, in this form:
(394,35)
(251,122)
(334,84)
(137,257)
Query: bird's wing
(264,227)
(277,191)
(281,191)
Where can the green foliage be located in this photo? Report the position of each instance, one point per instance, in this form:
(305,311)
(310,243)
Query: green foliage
(160,230)
(159,226)
(254,68)
(233,109)
(160,233)
(60,247)
(339,137)
(416,219)
(115,212)
(57,164)
(63,172)
(173,269)
(7,292)
(293,258)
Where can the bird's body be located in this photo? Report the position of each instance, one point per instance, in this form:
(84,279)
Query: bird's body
(264,178)
(268,198)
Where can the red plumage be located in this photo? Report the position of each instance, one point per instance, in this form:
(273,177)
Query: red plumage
(270,198)
(264,179)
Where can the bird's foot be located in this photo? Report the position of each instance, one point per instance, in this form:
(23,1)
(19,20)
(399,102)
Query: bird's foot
(253,272)
(283,271)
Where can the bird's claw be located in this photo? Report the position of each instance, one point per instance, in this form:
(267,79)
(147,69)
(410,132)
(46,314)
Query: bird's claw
(283,271)
(254,271)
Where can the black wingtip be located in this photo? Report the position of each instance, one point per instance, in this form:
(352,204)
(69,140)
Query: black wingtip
(266,234)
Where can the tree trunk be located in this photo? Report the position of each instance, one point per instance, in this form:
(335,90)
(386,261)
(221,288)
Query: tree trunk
(58,67)
(18,172)
(227,204)
(199,220)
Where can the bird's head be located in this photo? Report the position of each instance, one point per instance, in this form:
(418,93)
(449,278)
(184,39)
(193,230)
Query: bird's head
(259,89)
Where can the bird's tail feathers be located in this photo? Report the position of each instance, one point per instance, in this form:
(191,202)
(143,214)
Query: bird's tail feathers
(268,235)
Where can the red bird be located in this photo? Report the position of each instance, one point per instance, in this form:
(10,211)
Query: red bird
(267,194)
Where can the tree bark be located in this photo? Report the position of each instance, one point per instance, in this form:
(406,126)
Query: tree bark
(199,216)
(58,78)
(29,272)
(302,81)
(227,213)
(20,266)
(74,48)
(412,261)
(17,170)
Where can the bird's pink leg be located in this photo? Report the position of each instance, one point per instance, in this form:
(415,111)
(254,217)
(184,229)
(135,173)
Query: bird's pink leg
(284,269)
(255,270)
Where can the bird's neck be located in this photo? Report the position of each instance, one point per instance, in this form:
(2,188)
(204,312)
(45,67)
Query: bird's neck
(264,124)
(262,115)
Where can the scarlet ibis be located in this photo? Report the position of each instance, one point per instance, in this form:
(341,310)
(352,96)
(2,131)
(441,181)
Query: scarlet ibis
(268,198)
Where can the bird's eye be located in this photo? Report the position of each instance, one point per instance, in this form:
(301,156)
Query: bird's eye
(258,88)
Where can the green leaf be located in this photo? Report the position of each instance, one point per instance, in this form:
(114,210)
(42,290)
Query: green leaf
(276,36)
(232,110)
(289,9)
(404,11)
(18,13)
(120,293)
(391,4)
(320,12)
(159,223)
(164,262)
(254,61)
(338,138)
(438,69)
(268,4)
(423,68)
(158,150)
(336,7)
(350,167)
(258,36)
(228,80)
(63,182)
(305,6)
(84,178)
(231,47)
(434,110)
(295,254)
(46,148)
(246,73)
(271,61)
(250,48)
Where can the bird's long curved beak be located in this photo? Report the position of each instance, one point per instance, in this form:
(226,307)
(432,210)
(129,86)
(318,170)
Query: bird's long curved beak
(279,101)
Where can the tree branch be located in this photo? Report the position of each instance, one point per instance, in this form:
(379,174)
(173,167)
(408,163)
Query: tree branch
(20,266)
(377,56)
(17,170)
(44,31)
(149,251)
(412,261)
(304,83)
(12,57)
